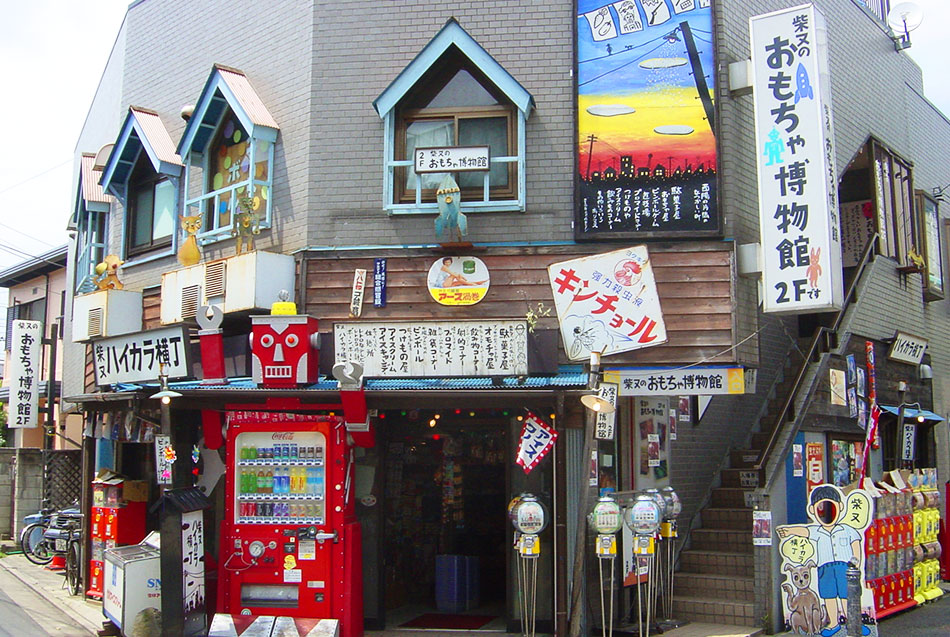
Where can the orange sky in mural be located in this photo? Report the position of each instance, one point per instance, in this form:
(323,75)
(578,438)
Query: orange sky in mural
(633,134)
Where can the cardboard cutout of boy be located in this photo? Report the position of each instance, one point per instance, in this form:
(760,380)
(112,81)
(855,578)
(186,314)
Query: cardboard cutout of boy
(819,606)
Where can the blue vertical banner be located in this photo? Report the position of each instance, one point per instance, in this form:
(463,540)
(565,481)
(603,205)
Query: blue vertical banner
(379,283)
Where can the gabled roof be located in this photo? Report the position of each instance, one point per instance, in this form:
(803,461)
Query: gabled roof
(33,267)
(142,130)
(452,34)
(89,187)
(227,87)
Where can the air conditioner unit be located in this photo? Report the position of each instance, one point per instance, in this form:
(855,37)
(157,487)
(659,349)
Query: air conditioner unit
(243,282)
(105,313)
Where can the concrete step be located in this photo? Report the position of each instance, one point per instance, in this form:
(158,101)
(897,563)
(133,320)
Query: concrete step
(715,611)
(717,563)
(744,478)
(727,518)
(714,585)
(729,497)
(730,540)
(743,458)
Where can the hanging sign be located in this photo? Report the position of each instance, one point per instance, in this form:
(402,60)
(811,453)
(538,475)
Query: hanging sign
(451,159)
(133,358)
(193,560)
(165,457)
(815,463)
(537,439)
(907,348)
(908,441)
(798,186)
(26,350)
(458,280)
(604,428)
(359,287)
(379,283)
(661,381)
(434,348)
(607,303)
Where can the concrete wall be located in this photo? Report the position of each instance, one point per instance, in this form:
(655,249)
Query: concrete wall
(21,488)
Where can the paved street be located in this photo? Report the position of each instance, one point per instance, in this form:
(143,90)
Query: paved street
(26,612)
(924,621)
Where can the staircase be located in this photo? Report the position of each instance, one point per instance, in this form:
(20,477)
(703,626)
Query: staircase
(716,582)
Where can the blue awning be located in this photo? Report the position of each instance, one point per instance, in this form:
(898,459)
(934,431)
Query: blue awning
(910,413)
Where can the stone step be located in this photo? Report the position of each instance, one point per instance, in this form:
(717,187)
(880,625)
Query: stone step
(744,478)
(729,540)
(743,458)
(717,563)
(760,439)
(729,497)
(714,585)
(727,518)
(715,611)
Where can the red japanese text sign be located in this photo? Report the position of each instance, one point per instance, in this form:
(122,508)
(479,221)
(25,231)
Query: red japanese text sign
(537,439)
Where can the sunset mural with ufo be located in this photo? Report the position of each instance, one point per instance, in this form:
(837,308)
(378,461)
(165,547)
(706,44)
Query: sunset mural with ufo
(646,123)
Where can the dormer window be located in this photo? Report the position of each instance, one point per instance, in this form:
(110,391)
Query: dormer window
(143,173)
(228,148)
(453,94)
(150,208)
(89,221)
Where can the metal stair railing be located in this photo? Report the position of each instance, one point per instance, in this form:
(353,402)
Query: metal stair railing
(821,342)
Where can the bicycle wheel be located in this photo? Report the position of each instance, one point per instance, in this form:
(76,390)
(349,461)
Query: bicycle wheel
(73,568)
(34,545)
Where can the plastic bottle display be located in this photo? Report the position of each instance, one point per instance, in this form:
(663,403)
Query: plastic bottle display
(279,484)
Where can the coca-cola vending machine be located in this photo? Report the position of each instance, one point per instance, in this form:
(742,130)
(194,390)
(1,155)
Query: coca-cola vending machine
(290,543)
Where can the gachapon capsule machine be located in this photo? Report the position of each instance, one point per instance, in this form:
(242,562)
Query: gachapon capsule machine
(290,543)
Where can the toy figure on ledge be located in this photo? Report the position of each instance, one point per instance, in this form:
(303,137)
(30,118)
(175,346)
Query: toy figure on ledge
(188,251)
(107,277)
(246,224)
(450,216)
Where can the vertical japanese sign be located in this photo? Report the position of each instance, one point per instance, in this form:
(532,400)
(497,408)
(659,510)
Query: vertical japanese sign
(537,439)
(646,119)
(798,186)
(26,350)
(165,457)
(604,428)
(607,303)
(359,287)
(379,283)
(193,560)
(815,463)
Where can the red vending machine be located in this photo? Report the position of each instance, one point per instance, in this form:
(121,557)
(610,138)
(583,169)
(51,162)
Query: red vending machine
(290,543)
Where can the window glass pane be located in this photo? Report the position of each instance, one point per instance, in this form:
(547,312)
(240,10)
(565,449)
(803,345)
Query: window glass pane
(423,134)
(462,90)
(163,222)
(142,217)
(481,131)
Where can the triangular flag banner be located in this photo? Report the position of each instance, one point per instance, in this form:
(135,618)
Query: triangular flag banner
(537,438)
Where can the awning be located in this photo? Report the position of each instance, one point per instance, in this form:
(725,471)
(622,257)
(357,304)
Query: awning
(910,413)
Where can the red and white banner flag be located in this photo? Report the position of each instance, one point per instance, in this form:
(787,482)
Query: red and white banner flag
(869,439)
(537,438)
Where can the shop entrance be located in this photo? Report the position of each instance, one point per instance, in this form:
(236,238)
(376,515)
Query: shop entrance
(445,531)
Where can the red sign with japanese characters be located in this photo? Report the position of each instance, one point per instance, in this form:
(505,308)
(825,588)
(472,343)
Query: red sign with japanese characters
(607,303)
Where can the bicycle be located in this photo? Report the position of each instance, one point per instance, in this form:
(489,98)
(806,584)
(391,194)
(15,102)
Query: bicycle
(56,533)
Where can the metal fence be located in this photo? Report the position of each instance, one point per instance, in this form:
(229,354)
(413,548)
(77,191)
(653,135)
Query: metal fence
(62,477)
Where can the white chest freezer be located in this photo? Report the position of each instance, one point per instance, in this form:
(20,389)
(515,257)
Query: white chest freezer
(132,595)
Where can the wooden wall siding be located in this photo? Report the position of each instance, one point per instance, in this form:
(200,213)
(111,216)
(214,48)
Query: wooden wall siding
(151,309)
(695,282)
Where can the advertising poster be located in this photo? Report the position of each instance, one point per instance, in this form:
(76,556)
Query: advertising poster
(650,442)
(762,528)
(836,382)
(814,558)
(646,120)
(798,463)
(458,280)
(815,464)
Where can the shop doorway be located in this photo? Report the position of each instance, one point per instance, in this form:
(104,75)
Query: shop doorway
(445,533)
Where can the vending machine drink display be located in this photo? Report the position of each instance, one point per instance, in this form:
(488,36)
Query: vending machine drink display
(290,540)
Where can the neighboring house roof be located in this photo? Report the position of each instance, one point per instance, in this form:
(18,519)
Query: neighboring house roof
(142,130)
(89,177)
(227,87)
(5,391)
(29,269)
(452,34)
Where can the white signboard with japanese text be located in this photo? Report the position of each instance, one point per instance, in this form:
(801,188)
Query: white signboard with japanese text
(134,358)
(908,441)
(798,196)
(607,303)
(26,351)
(907,348)
(452,159)
(604,427)
(193,560)
(434,348)
(660,381)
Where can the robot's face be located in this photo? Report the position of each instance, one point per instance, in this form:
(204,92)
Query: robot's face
(281,351)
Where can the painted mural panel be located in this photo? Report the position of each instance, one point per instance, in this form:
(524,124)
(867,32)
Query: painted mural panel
(646,119)
(815,559)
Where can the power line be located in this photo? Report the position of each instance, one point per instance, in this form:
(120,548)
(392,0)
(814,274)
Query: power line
(28,236)
(636,59)
(36,176)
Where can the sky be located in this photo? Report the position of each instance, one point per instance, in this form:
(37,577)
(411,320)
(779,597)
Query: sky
(52,56)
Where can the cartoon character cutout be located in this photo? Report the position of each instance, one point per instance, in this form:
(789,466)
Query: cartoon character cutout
(284,350)
(818,604)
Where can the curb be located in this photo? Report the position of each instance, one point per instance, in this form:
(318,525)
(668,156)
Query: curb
(66,608)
